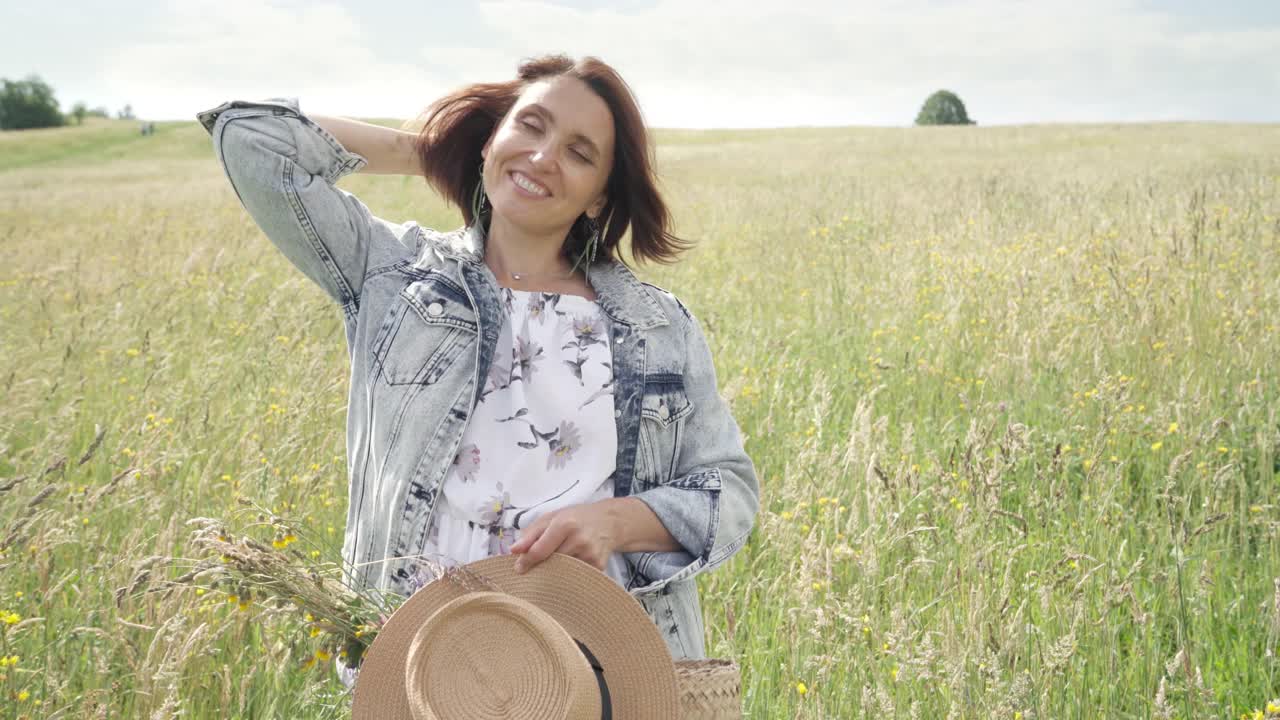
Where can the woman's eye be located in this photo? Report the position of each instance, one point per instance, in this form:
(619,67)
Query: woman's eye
(582,157)
(530,125)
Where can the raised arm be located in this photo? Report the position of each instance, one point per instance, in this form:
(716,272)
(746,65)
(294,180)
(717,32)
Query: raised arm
(283,166)
(387,150)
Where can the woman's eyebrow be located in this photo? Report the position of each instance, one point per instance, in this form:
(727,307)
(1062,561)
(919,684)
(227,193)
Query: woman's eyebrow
(551,119)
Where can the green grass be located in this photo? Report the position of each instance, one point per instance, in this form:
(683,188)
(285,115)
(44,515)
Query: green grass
(1012,394)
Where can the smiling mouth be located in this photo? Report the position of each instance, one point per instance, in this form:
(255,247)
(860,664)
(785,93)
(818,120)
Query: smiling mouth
(523,182)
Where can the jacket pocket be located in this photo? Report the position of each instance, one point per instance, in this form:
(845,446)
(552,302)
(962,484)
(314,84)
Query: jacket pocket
(429,326)
(662,408)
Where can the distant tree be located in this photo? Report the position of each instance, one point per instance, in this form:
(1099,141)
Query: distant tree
(28,103)
(78,111)
(100,111)
(126,113)
(943,108)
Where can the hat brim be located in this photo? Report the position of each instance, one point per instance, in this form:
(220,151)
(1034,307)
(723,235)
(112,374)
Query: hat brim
(590,605)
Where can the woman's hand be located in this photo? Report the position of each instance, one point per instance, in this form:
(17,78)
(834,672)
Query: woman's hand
(589,532)
(592,532)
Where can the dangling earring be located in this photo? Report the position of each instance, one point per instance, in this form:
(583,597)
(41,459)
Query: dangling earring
(589,249)
(479,199)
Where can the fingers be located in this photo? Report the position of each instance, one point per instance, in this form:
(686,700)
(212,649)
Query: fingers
(533,531)
(527,536)
(548,541)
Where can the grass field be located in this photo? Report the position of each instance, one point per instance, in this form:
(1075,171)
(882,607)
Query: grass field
(1013,395)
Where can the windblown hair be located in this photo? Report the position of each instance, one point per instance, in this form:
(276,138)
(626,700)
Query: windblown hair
(457,126)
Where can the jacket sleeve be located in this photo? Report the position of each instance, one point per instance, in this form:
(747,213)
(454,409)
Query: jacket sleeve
(710,504)
(283,167)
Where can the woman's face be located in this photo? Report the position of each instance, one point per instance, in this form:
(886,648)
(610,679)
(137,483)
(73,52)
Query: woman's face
(549,159)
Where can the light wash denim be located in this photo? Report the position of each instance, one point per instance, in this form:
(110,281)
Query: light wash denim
(421,313)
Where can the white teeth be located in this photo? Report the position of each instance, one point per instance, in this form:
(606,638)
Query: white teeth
(528,184)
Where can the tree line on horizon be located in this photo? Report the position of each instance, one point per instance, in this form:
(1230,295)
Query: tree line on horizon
(30,103)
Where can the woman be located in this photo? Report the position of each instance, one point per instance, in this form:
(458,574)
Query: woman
(514,387)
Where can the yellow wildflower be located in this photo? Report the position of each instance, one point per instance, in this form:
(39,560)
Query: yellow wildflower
(801,688)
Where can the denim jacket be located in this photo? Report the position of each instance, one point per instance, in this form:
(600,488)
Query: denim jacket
(422,315)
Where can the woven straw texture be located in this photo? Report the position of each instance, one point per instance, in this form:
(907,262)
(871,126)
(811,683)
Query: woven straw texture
(588,604)
(709,689)
(493,655)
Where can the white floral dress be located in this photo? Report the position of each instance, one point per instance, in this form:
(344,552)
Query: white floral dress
(542,436)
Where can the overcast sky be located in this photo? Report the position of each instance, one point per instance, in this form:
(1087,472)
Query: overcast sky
(692,63)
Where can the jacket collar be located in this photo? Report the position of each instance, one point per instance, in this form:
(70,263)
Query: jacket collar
(622,296)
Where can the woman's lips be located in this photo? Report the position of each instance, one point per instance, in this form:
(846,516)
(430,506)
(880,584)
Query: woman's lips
(527,186)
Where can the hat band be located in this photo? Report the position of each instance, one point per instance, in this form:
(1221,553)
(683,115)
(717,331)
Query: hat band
(606,703)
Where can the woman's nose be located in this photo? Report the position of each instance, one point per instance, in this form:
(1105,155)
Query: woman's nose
(541,157)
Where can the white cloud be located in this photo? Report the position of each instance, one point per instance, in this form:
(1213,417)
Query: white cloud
(724,63)
(785,62)
(246,49)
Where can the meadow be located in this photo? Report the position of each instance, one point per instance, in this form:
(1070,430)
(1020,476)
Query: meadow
(1012,393)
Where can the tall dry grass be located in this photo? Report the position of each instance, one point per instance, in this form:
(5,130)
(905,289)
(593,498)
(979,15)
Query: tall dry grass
(1012,394)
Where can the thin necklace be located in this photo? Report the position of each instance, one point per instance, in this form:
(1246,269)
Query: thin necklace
(533,276)
(544,276)
(537,276)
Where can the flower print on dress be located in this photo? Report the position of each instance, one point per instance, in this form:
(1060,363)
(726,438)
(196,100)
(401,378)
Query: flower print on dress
(500,542)
(525,353)
(585,330)
(467,462)
(605,389)
(543,304)
(562,442)
(499,378)
(491,511)
(564,446)
(508,300)
(421,573)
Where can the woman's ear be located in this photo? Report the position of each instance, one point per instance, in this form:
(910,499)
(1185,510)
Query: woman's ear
(597,207)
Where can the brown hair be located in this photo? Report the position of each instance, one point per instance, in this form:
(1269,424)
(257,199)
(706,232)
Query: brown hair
(458,125)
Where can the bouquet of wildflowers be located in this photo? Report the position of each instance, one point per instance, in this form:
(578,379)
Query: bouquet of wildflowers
(280,575)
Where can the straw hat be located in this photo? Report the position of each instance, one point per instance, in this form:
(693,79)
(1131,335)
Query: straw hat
(561,641)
